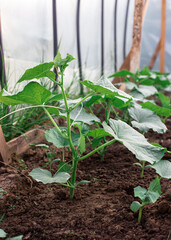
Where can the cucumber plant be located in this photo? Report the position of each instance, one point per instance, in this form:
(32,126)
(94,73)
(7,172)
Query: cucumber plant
(78,133)
(147,196)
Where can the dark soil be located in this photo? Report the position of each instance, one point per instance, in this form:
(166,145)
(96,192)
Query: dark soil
(100,210)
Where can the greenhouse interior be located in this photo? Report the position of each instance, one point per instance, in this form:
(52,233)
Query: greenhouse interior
(85,119)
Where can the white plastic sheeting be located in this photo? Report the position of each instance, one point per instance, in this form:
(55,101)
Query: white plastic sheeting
(28,35)
(151,34)
(27,32)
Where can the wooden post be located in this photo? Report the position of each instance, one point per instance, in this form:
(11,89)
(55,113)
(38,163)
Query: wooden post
(163,35)
(132,61)
(5,155)
(154,56)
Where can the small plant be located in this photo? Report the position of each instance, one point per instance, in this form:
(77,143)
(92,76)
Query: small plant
(50,155)
(2,191)
(147,196)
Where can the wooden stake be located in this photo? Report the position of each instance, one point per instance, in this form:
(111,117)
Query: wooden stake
(5,154)
(153,59)
(20,144)
(163,35)
(132,61)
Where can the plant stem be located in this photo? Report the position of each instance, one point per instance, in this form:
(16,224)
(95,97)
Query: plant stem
(108,110)
(63,155)
(142,172)
(68,121)
(97,149)
(54,123)
(73,177)
(140,214)
(82,100)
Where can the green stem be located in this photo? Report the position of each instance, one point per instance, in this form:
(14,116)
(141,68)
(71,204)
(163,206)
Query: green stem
(63,155)
(68,122)
(54,123)
(108,110)
(73,177)
(143,167)
(140,214)
(82,100)
(97,149)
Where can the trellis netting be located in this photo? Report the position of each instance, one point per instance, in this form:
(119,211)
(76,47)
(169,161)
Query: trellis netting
(97,33)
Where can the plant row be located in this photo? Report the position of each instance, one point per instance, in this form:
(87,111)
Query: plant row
(134,114)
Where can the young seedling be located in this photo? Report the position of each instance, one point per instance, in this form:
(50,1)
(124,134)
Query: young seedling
(147,196)
(50,155)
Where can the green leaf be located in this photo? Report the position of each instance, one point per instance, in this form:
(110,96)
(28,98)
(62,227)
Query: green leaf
(158,145)
(135,206)
(158,110)
(44,176)
(62,63)
(96,143)
(64,167)
(40,71)
(130,85)
(53,136)
(136,94)
(146,91)
(140,192)
(80,115)
(98,132)
(163,168)
(53,110)
(16,238)
(134,141)
(2,233)
(39,145)
(155,185)
(91,100)
(82,182)
(33,93)
(82,143)
(56,98)
(122,73)
(104,86)
(146,119)
(164,100)
(151,197)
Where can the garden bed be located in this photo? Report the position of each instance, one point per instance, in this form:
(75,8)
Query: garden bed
(99,210)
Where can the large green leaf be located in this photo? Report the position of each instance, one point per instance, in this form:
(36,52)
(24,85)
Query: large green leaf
(166,112)
(53,136)
(33,93)
(134,141)
(146,119)
(163,168)
(80,115)
(44,176)
(2,233)
(104,86)
(40,71)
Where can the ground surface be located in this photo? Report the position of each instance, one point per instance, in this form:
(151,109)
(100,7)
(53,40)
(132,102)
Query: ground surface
(100,210)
